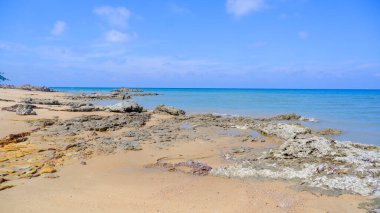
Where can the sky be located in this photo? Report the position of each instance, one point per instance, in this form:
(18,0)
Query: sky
(197,43)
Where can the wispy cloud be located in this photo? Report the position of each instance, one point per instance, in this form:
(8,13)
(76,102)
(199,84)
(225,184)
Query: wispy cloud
(303,34)
(117,36)
(240,8)
(115,16)
(59,28)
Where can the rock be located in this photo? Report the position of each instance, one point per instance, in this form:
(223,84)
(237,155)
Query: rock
(41,101)
(2,180)
(85,108)
(282,130)
(27,87)
(83,163)
(314,147)
(25,110)
(50,175)
(100,123)
(329,131)
(125,90)
(6,100)
(290,116)
(168,110)
(11,108)
(130,145)
(125,106)
(14,138)
(47,169)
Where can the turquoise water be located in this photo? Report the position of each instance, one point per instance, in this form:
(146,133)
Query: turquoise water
(356,112)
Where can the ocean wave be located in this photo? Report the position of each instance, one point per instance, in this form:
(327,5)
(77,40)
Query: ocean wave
(309,119)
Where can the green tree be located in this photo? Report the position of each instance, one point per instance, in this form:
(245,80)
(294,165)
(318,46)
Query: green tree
(2,78)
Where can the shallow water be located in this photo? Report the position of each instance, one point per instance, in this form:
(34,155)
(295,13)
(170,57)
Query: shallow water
(356,112)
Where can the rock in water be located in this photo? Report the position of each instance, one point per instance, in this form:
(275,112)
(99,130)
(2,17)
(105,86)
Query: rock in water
(125,106)
(25,110)
(169,110)
(328,131)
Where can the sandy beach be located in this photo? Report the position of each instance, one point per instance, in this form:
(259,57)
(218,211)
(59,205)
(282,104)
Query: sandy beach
(161,161)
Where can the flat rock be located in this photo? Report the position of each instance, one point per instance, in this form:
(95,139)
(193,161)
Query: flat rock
(169,110)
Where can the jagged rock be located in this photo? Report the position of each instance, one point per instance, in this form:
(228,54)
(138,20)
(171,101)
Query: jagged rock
(125,90)
(41,101)
(84,108)
(129,145)
(329,131)
(282,130)
(169,110)
(25,110)
(290,116)
(125,106)
(314,147)
(100,123)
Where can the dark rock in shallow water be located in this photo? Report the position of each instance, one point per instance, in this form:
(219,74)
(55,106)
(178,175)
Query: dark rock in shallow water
(328,132)
(290,116)
(169,110)
(125,90)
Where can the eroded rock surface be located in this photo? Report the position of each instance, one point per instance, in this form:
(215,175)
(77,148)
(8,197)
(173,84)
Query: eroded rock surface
(125,106)
(168,110)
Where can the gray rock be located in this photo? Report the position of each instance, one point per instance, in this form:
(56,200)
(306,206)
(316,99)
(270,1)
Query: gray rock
(169,110)
(130,145)
(283,130)
(41,101)
(125,106)
(25,110)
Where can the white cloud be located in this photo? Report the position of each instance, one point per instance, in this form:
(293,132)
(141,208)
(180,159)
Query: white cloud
(117,36)
(303,35)
(58,28)
(243,7)
(115,16)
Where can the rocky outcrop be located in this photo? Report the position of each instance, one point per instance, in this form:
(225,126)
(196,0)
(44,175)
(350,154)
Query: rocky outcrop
(41,101)
(162,109)
(100,123)
(282,130)
(125,106)
(290,116)
(318,162)
(328,132)
(21,109)
(25,110)
(27,87)
(99,96)
(126,90)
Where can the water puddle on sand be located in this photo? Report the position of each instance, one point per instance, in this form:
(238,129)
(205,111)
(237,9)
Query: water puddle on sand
(185,126)
(230,132)
(255,134)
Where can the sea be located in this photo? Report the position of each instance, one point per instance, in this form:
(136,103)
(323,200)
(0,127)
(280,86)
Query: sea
(355,112)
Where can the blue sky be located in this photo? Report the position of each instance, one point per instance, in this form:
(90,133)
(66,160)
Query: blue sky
(197,43)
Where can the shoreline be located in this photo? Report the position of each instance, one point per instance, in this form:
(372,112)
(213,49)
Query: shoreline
(156,144)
